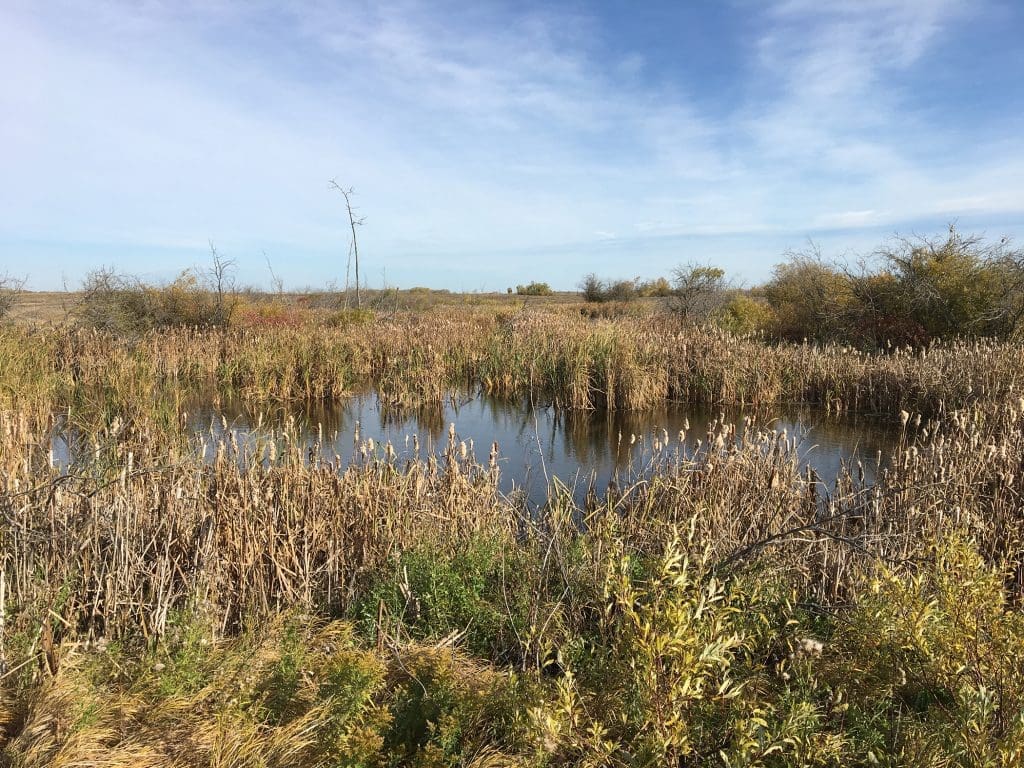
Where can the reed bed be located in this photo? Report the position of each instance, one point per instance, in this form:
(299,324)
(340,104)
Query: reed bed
(140,528)
(269,604)
(416,360)
(134,534)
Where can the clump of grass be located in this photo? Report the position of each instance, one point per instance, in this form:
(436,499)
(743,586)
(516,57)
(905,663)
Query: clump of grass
(295,692)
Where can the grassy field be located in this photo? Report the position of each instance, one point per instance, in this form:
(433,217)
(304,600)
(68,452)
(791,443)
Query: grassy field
(725,609)
(58,307)
(42,308)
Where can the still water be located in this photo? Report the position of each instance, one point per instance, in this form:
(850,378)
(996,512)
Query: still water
(538,444)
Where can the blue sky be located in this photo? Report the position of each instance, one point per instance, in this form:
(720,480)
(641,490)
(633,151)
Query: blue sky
(497,143)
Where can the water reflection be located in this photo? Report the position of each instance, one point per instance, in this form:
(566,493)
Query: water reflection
(537,444)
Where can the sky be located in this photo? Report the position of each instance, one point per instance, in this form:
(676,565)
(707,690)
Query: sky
(492,143)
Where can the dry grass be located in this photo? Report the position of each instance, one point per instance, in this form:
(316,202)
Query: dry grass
(212,588)
(144,528)
(417,359)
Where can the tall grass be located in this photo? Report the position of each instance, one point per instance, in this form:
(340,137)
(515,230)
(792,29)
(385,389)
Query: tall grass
(142,528)
(415,360)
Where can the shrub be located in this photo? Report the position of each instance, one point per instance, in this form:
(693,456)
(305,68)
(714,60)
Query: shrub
(124,304)
(914,291)
(596,290)
(809,298)
(592,288)
(698,292)
(957,286)
(659,287)
(534,289)
(930,664)
(744,315)
(669,680)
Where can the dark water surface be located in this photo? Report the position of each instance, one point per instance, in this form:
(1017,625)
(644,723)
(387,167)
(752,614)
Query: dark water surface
(537,444)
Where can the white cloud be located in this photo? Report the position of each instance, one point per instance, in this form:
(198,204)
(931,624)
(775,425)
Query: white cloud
(466,131)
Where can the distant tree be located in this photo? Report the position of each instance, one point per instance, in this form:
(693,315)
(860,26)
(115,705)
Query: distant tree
(592,288)
(534,289)
(220,277)
(275,281)
(622,290)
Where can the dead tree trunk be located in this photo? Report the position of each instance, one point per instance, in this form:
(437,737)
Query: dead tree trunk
(353,222)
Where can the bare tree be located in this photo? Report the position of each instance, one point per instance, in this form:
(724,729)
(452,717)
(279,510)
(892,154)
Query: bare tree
(10,289)
(353,223)
(221,278)
(275,280)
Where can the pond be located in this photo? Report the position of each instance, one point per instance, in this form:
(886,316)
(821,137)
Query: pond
(538,443)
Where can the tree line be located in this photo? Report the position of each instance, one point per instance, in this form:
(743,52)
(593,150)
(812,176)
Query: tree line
(910,291)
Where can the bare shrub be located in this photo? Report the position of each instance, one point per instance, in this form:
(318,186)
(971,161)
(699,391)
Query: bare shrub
(120,303)
(10,290)
(698,291)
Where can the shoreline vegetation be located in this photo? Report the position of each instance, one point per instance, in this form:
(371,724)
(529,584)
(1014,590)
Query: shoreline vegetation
(162,606)
(416,359)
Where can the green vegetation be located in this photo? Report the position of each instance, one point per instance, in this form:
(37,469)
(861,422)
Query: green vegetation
(910,292)
(534,289)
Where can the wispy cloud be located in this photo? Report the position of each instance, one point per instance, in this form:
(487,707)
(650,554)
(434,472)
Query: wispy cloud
(468,131)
